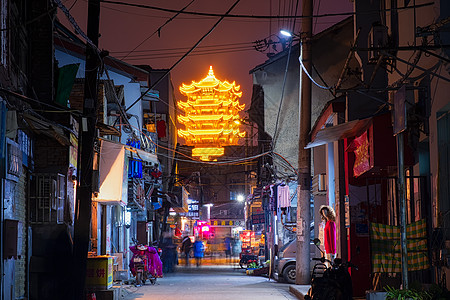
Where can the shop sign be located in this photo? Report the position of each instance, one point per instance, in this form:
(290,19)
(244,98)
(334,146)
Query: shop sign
(192,209)
(400,110)
(227,223)
(99,272)
(362,157)
(347,212)
(258,219)
(185,199)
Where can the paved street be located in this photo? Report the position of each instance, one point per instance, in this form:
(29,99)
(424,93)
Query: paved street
(211,282)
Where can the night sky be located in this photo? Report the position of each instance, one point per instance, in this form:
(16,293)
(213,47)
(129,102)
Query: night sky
(229,48)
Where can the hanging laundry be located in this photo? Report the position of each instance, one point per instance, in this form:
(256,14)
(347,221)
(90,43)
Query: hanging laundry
(283,196)
(156,173)
(161,128)
(273,198)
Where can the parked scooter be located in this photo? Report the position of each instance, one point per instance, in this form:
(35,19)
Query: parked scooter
(145,264)
(247,257)
(331,282)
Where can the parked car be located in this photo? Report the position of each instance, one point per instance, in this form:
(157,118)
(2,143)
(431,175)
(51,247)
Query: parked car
(284,264)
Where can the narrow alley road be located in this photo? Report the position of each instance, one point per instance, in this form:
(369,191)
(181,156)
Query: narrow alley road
(212,282)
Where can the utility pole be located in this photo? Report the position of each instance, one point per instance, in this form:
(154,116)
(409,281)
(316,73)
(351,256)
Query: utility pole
(400,125)
(402,200)
(166,204)
(88,134)
(304,155)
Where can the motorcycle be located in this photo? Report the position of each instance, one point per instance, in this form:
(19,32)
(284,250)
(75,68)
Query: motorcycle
(246,258)
(145,264)
(332,282)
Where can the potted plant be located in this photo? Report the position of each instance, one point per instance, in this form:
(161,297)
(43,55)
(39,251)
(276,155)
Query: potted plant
(252,264)
(409,294)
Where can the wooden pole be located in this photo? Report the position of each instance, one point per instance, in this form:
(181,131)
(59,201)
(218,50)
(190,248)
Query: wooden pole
(304,155)
(88,135)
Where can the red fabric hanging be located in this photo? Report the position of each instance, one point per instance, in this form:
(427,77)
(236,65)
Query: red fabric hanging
(156,173)
(161,128)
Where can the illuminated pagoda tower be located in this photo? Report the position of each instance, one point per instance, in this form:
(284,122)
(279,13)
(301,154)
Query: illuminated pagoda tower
(211,116)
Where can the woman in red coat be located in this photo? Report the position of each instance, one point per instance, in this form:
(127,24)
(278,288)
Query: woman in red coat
(329,217)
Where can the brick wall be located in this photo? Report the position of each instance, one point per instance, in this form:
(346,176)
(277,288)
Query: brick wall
(19,213)
(42,50)
(50,156)
(77,96)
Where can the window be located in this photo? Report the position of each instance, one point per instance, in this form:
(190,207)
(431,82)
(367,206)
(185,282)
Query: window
(25,144)
(14,160)
(47,198)
(322,182)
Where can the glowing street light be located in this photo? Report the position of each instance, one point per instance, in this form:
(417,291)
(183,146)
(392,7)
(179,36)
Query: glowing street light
(285,33)
(208,206)
(240,198)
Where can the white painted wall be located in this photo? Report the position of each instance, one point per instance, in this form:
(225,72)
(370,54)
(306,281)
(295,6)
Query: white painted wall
(131,88)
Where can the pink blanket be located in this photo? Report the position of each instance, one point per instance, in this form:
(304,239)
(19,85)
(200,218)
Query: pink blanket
(154,262)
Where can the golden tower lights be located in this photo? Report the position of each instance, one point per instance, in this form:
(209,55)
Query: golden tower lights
(210,116)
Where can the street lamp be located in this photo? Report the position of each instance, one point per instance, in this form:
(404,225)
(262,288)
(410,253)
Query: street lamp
(208,206)
(286,33)
(240,198)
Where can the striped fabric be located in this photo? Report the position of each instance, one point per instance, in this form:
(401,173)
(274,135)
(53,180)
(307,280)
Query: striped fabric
(386,248)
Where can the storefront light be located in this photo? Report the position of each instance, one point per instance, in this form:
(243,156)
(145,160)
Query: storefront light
(128,218)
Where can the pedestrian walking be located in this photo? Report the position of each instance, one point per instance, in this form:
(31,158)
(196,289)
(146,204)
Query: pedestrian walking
(329,217)
(186,246)
(227,244)
(199,251)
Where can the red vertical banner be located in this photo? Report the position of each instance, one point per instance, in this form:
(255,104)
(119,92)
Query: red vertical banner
(360,147)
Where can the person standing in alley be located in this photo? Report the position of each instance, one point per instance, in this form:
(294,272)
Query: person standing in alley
(199,250)
(186,246)
(169,253)
(329,217)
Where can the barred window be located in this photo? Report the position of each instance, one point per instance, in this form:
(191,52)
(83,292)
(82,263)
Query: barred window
(14,166)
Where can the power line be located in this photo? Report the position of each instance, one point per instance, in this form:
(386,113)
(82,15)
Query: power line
(70,8)
(184,56)
(174,51)
(159,29)
(193,18)
(161,56)
(184,48)
(260,16)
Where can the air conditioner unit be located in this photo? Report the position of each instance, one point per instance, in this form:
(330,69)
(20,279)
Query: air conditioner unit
(150,95)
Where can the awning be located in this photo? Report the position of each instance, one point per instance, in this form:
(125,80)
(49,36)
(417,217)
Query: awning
(339,132)
(113,174)
(146,157)
(106,129)
(52,130)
